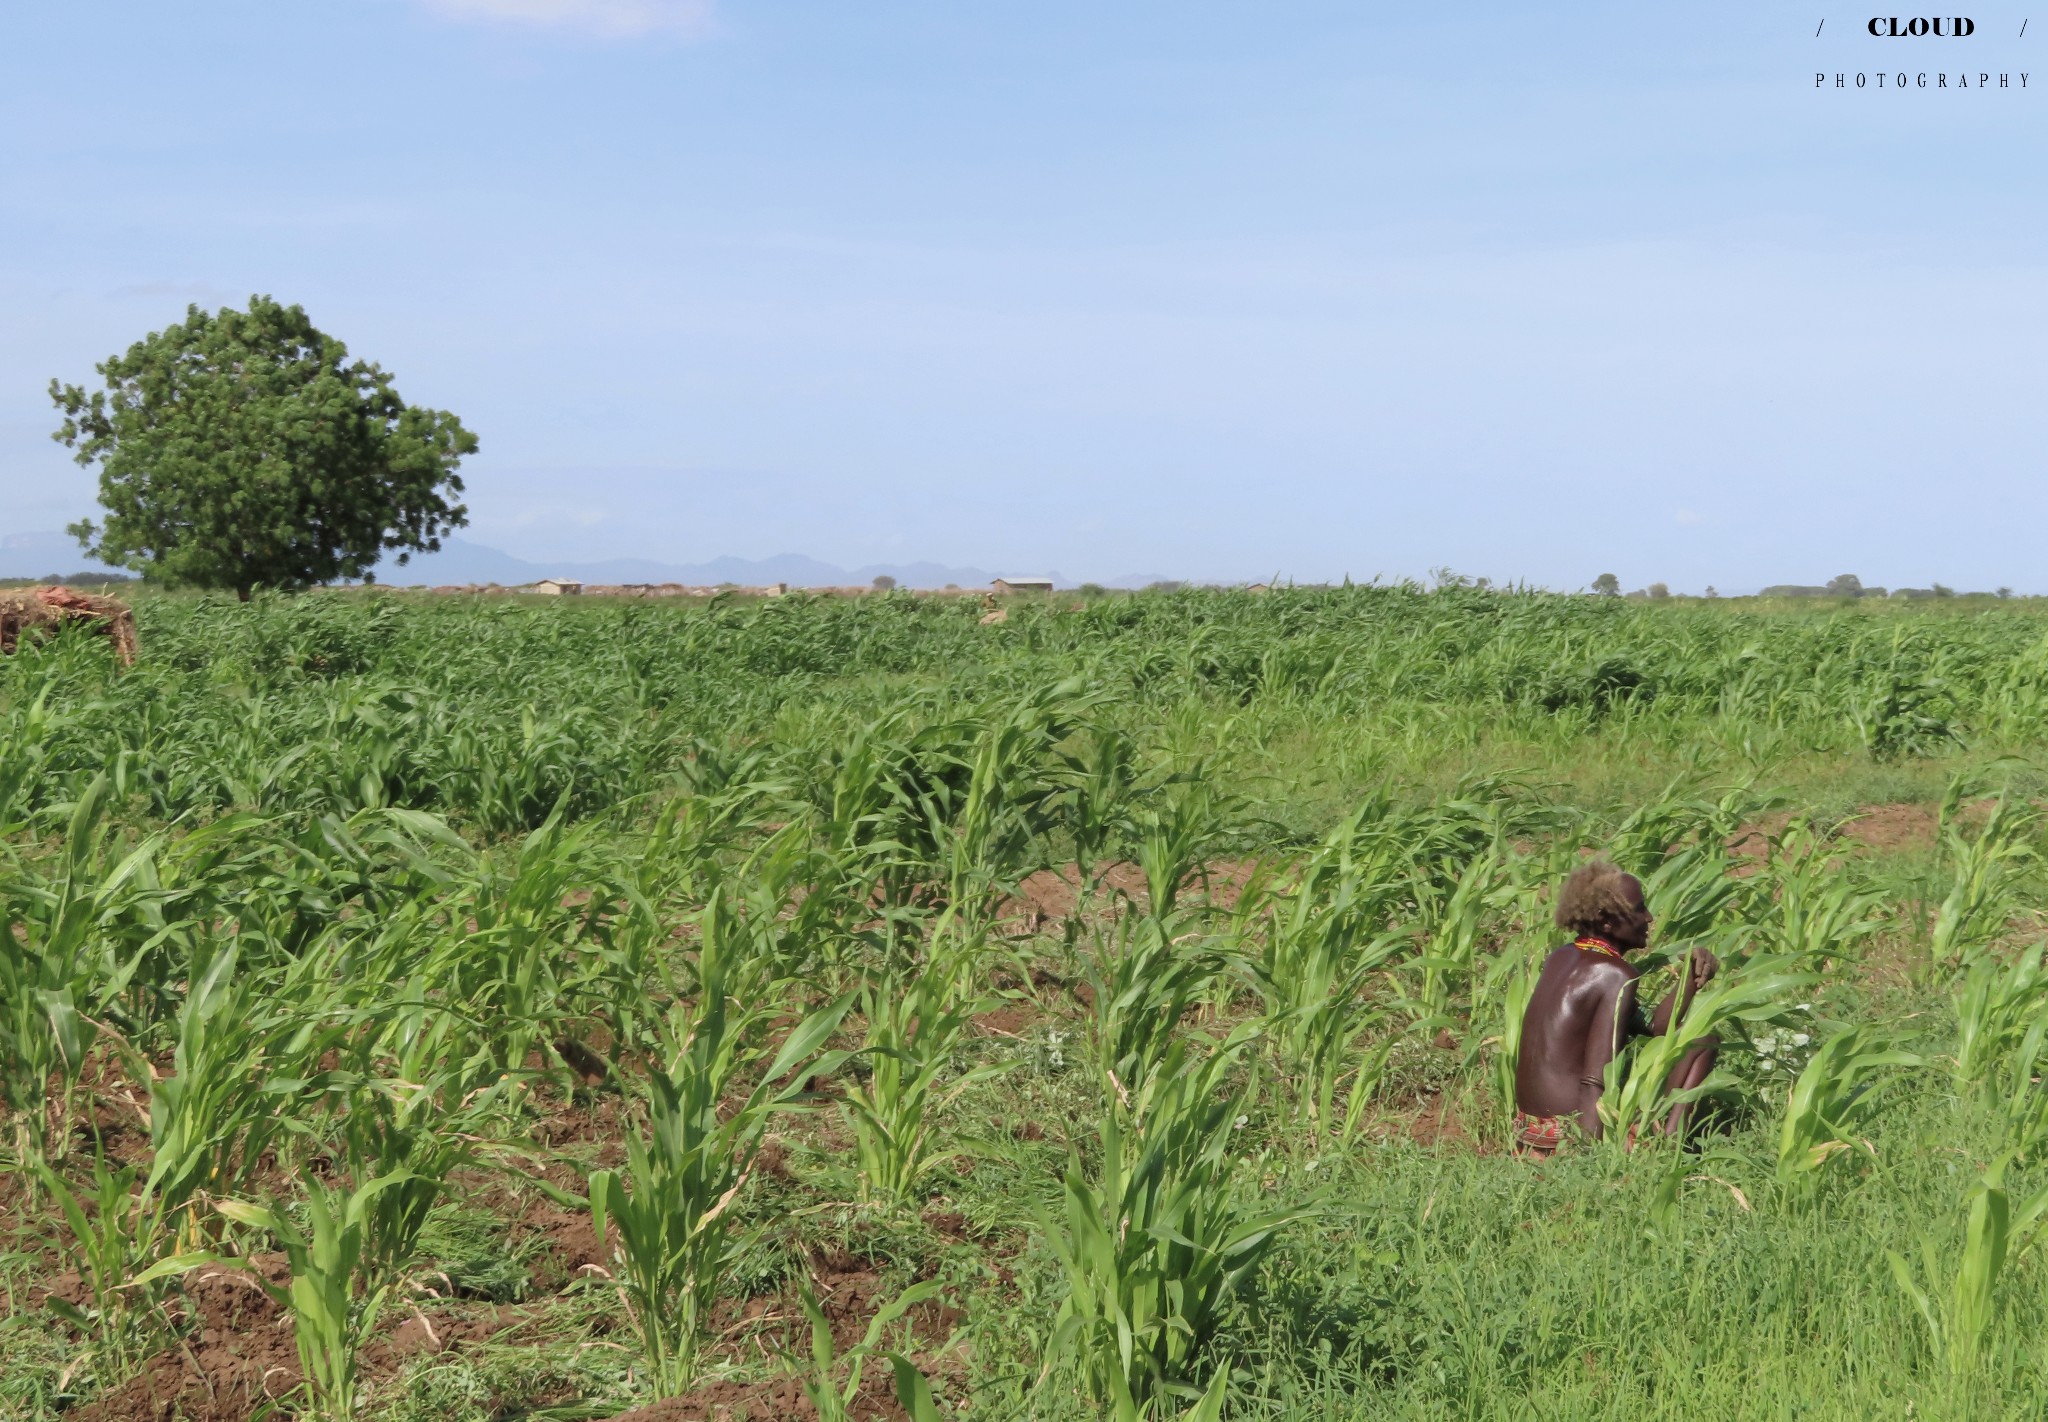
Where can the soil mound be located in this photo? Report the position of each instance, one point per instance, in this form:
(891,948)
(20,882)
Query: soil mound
(241,1359)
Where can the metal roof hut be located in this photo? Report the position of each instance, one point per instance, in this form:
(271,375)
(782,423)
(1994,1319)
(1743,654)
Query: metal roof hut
(558,587)
(1022,585)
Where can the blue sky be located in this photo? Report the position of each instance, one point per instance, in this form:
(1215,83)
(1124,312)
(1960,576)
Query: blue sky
(1211,290)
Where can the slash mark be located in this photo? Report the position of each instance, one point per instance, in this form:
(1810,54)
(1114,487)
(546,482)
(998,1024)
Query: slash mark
(1824,24)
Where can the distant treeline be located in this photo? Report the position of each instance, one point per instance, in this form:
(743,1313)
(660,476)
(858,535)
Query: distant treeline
(72,579)
(1800,590)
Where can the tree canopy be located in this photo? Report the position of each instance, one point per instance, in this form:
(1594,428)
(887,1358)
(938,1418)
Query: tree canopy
(243,449)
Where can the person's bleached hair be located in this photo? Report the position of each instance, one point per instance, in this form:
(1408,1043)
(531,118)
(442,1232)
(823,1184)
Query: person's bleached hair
(1592,897)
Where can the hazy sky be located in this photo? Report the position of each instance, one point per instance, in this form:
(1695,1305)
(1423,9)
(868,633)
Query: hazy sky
(1210,290)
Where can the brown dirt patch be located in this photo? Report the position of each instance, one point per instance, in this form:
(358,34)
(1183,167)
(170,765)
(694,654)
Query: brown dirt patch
(1897,828)
(1225,880)
(596,1120)
(1052,895)
(772,1160)
(240,1357)
(570,1250)
(950,1223)
(422,1335)
(1440,1123)
(1751,846)
(1894,828)
(771,1400)
(850,1293)
(1010,1020)
(1436,1121)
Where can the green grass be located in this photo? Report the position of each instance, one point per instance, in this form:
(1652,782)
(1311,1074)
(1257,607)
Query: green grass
(477,848)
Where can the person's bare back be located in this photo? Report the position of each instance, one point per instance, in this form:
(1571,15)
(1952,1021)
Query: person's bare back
(1582,1012)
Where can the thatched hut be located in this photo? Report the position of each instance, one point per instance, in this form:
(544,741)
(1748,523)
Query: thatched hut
(37,610)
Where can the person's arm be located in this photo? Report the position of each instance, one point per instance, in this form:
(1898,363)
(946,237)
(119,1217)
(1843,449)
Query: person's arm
(1700,969)
(1603,1040)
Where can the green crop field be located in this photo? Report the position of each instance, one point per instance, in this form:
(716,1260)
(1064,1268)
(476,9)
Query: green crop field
(441,1009)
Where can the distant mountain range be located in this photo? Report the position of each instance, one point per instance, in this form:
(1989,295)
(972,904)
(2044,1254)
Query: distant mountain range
(36,555)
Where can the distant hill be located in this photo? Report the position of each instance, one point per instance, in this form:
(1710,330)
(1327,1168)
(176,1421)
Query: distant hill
(38,554)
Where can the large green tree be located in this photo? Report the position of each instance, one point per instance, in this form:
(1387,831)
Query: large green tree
(243,449)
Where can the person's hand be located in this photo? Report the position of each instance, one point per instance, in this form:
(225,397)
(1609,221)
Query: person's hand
(1704,966)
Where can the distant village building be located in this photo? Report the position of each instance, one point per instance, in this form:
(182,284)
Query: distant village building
(1022,585)
(776,589)
(557,587)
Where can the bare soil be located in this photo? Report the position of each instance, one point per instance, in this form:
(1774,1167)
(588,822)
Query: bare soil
(770,1400)
(1051,896)
(241,1355)
(1894,828)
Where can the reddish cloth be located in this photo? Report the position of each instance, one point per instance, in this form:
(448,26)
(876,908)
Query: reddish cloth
(1538,1136)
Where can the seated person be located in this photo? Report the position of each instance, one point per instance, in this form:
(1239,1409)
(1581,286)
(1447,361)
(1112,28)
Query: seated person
(1584,1010)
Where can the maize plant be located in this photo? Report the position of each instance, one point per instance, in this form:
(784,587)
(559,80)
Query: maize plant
(1841,1087)
(1319,947)
(111,1243)
(1512,983)
(1101,780)
(214,1117)
(916,1019)
(2002,1040)
(1143,983)
(1999,1004)
(1156,1248)
(1961,1325)
(400,1141)
(27,728)
(667,1215)
(1982,896)
(48,982)
(1691,892)
(1009,803)
(1174,835)
(1455,926)
(514,970)
(1813,914)
(337,1292)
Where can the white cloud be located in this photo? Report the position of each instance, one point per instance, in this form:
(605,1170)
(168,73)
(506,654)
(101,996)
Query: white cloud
(610,18)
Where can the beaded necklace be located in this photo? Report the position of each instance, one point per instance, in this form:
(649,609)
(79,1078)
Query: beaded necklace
(1597,945)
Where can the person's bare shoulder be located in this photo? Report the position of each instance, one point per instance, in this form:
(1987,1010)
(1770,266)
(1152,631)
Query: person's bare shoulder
(1608,972)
